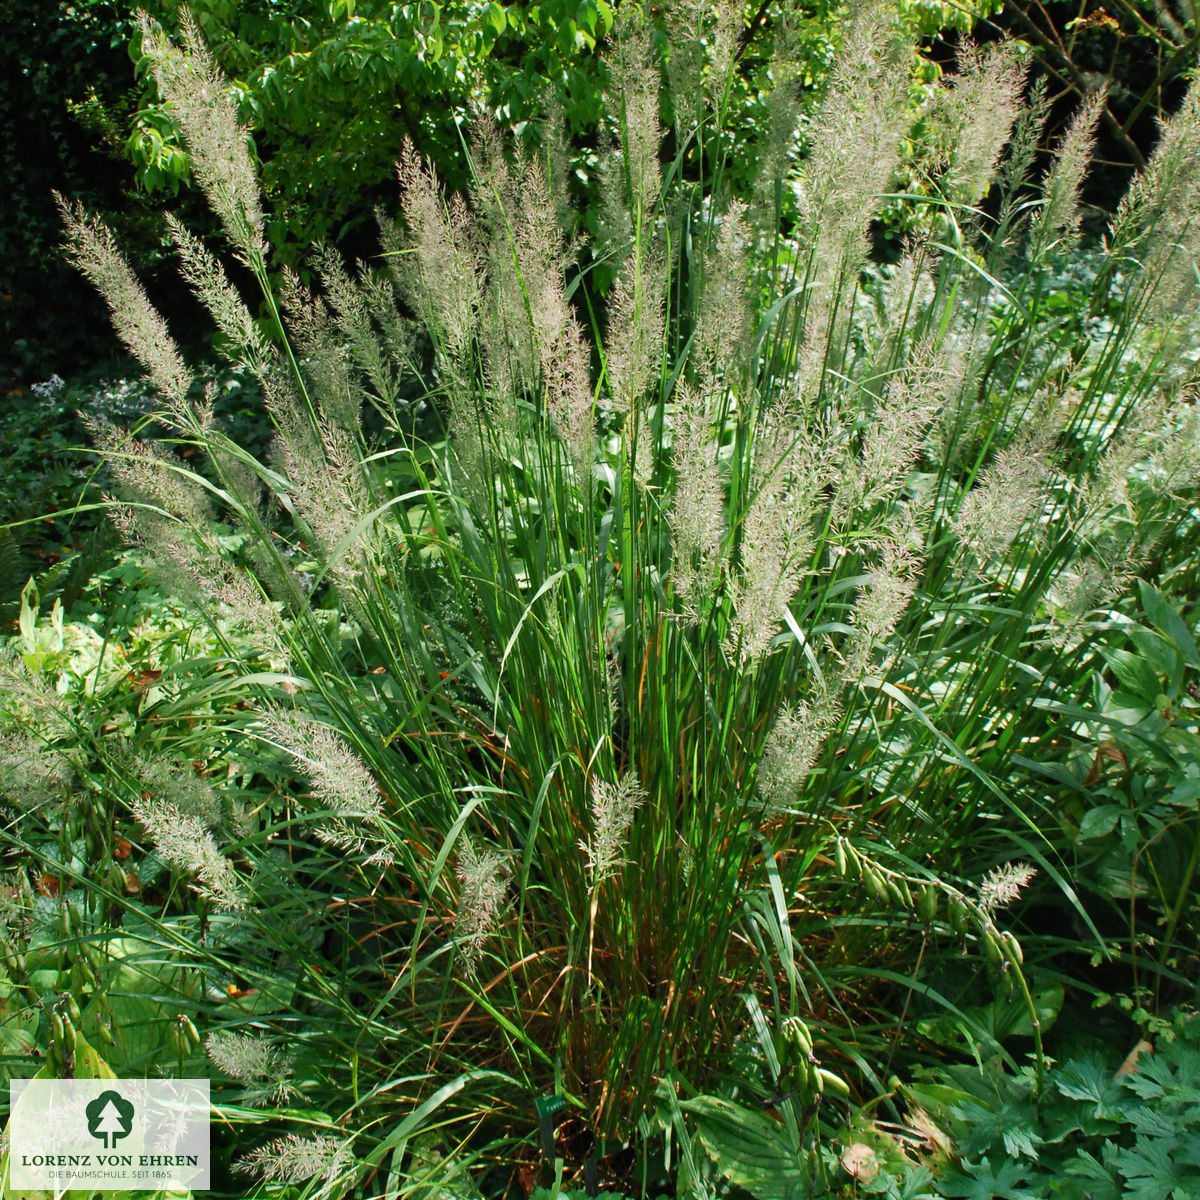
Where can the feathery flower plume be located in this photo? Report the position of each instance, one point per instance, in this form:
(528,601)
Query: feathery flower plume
(326,374)
(893,442)
(636,328)
(347,299)
(185,842)
(1173,446)
(29,697)
(218,145)
(93,249)
(1103,498)
(483,875)
(31,773)
(1158,219)
(188,792)
(1106,524)
(203,271)
(149,474)
(1002,885)
(978,113)
(783,109)
(1058,221)
(169,514)
(1162,203)
(339,778)
(293,1159)
(855,142)
(1083,589)
(398,332)
(776,538)
(722,42)
(328,491)
(254,1060)
(697,512)
(879,607)
(694,29)
(909,289)
(561,351)
(247,607)
(182,544)
(613,809)
(565,375)
(683,21)
(635,98)
(513,245)
(440,278)
(1009,492)
(791,749)
(723,323)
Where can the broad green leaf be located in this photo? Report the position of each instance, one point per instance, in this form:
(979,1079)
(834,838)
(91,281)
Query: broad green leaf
(749,1149)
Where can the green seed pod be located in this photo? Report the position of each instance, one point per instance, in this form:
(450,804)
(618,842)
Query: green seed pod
(835,1083)
(816,1084)
(106,1034)
(73,1010)
(839,854)
(58,1033)
(927,903)
(796,1034)
(190,1032)
(1012,948)
(991,947)
(68,1039)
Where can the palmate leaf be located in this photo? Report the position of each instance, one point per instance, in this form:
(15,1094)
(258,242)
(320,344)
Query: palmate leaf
(1167,1076)
(979,1181)
(1154,1122)
(1152,1172)
(1190,1154)
(1089,1178)
(1089,1080)
(914,1185)
(1014,1124)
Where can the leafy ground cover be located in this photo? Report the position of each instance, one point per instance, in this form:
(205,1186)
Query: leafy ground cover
(658,745)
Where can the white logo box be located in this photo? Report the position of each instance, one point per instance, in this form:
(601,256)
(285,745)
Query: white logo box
(109,1134)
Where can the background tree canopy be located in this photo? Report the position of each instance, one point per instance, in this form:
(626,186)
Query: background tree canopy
(330,90)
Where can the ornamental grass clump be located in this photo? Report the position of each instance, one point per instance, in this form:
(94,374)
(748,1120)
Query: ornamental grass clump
(595,633)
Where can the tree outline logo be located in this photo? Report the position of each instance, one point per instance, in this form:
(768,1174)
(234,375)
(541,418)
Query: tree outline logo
(109,1117)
